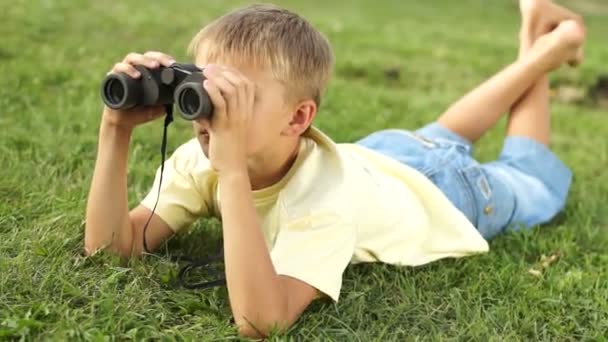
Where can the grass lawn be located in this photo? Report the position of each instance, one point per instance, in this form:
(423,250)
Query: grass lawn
(399,64)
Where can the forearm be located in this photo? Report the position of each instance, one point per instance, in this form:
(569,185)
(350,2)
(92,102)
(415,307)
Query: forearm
(255,292)
(107,213)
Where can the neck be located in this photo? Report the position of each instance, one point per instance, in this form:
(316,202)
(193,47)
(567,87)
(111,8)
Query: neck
(267,170)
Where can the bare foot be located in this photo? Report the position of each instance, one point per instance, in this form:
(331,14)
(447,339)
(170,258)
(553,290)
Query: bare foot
(559,46)
(540,17)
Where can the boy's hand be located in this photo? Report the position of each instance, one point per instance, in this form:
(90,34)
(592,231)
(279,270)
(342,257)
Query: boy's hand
(232,95)
(139,115)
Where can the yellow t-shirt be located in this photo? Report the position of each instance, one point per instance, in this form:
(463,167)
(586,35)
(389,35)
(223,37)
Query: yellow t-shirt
(338,203)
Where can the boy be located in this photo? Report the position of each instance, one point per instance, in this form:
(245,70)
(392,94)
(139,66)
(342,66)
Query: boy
(296,207)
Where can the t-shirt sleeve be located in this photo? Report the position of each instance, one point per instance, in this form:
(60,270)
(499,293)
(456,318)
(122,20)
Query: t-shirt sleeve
(180,201)
(316,250)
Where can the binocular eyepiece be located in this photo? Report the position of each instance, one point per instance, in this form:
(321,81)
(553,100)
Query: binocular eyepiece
(181,84)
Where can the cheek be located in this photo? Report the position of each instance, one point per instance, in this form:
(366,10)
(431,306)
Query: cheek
(257,136)
(267,122)
(263,135)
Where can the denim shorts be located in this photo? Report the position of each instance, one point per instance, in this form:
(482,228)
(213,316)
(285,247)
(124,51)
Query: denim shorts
(526,186)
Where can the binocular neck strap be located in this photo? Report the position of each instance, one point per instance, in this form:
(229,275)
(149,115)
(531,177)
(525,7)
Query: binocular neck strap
(163,153)
(163,145)
(203,263)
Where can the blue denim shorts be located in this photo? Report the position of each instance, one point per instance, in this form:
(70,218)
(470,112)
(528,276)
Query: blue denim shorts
(527,185)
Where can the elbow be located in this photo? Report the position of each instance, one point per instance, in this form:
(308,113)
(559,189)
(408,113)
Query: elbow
(260,332)
(267,324)
(246,331)
(92,248)
(93,245)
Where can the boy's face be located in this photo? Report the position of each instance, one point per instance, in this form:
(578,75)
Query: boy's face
(270,116)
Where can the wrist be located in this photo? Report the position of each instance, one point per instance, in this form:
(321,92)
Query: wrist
(234,174)
(109,119)
(113,132)
(536,63)
(234,179)
(110,124)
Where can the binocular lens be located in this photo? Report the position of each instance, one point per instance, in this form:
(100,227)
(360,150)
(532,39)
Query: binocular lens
(192,99)
(120,91)
(114,91)
(189,101)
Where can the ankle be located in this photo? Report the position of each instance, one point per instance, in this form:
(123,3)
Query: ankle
(534,64)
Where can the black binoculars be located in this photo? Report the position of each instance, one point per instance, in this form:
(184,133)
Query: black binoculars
(181,84)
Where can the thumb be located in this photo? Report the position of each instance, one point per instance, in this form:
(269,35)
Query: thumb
(154,112)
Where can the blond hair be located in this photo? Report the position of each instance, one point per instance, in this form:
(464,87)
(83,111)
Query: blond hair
(271,37)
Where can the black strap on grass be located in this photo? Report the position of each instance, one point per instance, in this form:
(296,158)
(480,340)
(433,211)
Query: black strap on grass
(206,264)
(193,263)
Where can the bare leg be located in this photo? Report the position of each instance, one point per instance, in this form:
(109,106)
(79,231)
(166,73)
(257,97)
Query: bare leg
(530,114)
(480,109)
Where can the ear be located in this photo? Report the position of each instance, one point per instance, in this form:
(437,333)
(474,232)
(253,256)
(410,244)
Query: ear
(301,118)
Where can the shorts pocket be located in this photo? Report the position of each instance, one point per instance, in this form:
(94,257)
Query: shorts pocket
(493,201)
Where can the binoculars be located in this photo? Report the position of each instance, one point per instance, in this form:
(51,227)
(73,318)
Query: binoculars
(179,83)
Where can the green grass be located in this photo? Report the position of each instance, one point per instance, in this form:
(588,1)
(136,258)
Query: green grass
(53,55)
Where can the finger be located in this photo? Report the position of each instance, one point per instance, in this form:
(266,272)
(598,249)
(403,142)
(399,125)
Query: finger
(155,112)
(235,80)
(224,78)
(234,76)
(578,59)
(242,85)
(126,68)
(223,68)
(245,87)
(227,90)
(251,93)
(162,58)
(139,59)
(219,103)
(145,114)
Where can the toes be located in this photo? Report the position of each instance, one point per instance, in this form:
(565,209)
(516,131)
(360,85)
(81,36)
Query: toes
(578,59)
(572,35)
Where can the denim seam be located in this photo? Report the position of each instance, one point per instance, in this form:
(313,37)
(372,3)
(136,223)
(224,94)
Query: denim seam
(469,193)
